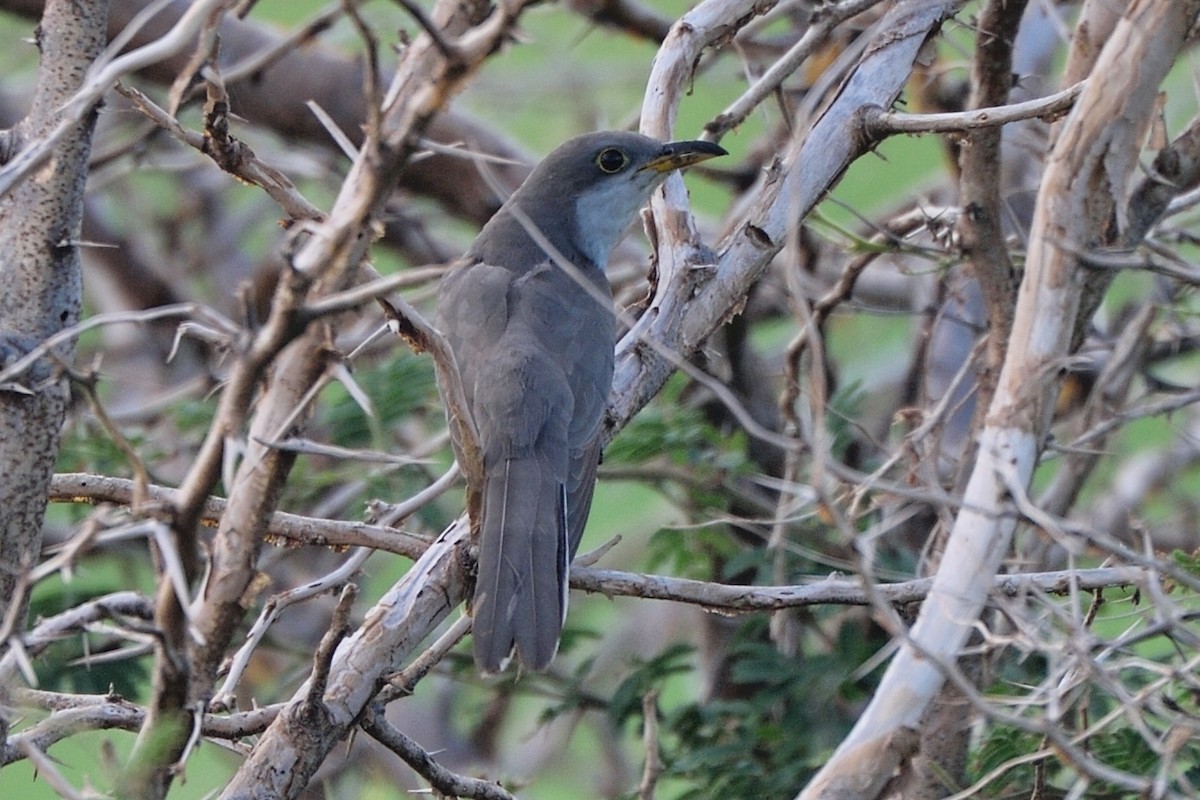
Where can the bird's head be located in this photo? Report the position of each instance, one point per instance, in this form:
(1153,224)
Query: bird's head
(593,185)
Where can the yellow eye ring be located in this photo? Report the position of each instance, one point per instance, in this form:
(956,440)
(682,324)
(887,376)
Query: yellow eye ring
(611,160)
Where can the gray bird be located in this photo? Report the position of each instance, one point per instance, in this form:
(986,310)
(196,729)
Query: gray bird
(534,347)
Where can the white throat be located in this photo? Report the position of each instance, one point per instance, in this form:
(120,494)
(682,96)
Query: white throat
(605,212)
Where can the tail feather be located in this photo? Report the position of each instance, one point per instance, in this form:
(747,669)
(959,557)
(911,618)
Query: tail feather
(581,483)
(520,593)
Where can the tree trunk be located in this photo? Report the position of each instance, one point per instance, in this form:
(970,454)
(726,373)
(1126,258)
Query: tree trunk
(39,270)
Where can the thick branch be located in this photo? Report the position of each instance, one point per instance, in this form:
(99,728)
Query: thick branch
(292,750)
(980,224)
(1090,164)
(40,226)
(698,290)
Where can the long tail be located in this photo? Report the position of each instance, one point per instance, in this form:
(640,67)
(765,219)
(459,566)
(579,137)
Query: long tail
(520,593)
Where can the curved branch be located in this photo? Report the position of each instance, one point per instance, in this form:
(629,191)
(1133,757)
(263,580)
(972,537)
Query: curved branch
(1091,161)
(698,290)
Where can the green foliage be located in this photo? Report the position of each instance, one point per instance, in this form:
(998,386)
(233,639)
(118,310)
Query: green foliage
(67,667)
(56,668)
(1121,748)
(1001,746)
(844,407)
(670,428)
(674,435)
(86,448)
(398,388)
(693,555)
(1118,744)
(1126,750)
(1188,561)
(764,735)
(194,417)
(625,704)
(721,553)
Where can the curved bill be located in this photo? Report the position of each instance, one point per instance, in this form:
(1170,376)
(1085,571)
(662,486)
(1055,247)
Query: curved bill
(677,155)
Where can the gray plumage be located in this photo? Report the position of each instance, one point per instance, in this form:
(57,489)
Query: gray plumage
(534,348)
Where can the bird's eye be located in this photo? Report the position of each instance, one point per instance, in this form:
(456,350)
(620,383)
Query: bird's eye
(611,160)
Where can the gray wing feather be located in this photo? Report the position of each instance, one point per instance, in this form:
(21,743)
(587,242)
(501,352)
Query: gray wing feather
(535,354)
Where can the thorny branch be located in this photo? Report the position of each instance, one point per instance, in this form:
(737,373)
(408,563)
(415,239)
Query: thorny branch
(835,76)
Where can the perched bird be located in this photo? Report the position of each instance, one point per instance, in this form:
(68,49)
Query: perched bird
(534,345)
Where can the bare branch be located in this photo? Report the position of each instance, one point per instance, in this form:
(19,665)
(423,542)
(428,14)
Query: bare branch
(1042,330)
(691,300)
(441,779)
(48,631)
(727,598)
(654,765)
(224,697)
(886,123)
(230,155)
(826,18)
(98,81)
(79,487)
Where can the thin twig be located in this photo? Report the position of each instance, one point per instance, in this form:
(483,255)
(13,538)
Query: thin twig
(103,75)
(885,123)
(444,782)
(449,51)
(141,475)
(52,629)
(654,764)
(225,697)
(828,17)
(404,682)
(231,155)
(48,771)
(352,298)
(83,487)
(73,332)
(339,628)
(374,96)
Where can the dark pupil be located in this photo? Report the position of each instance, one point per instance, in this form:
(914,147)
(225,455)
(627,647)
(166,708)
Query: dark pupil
(612,160)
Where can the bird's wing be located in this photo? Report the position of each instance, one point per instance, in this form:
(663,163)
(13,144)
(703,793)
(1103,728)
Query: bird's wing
(473,314)
(532,355)
(578,324)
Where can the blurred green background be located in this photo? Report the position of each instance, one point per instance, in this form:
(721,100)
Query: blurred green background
(565,77)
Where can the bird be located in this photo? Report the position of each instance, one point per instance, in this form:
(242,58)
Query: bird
(528,315)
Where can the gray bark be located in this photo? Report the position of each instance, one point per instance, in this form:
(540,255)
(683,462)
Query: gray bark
(39,270)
